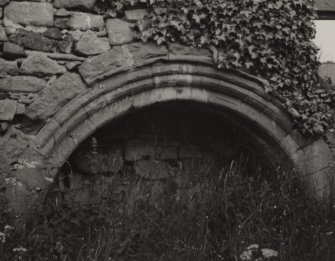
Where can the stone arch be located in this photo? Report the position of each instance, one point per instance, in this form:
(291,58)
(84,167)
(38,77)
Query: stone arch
(164,81)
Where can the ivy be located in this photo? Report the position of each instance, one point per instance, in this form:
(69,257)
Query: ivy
(267,38)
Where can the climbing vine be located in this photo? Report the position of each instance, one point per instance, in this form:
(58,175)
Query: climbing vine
(267,38)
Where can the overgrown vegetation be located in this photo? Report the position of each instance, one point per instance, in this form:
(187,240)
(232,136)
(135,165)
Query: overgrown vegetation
(268,38)
(214,217)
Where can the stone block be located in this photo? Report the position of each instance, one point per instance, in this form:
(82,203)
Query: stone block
(96,67)
(85,21)
(3,34)
(61,22)
(76,35)
(142,52)
(21,109)
(309,160)
(53,33)
(179,49)
(8,68)
(135,14)
(40,65)
(29,13)
(22,84)
(72,65)
(119,32)
(13,51)
(7,110)
(55,96)
(34,41)
(78,4)
(90,44)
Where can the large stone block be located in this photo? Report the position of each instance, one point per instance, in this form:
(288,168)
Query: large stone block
(8,68)
(85,21)
(29,13)
(22,84)
(119,32)
(56,95)
(96,67)
(91,44)
(69,4)
(40,65)
(119,58)
(34,41)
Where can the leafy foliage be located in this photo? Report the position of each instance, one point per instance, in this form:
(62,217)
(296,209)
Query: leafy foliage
(268,38)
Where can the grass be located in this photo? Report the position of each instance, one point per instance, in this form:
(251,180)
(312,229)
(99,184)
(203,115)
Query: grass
(216,216)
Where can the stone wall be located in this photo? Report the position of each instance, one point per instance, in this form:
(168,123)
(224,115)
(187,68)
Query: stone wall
(46,45)
(66,71)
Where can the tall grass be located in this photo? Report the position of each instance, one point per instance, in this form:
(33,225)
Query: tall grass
(214,217)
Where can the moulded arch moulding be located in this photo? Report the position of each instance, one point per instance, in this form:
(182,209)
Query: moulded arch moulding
(164,81)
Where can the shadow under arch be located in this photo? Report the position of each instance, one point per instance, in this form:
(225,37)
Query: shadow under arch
(175,80)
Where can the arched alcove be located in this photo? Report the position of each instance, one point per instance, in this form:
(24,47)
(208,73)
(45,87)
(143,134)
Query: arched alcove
(232,93)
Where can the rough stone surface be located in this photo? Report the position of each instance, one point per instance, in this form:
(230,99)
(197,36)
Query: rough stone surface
(3,34)
(60,56)
(56,95)
(22,84)
(76,35)
(135,14)
(85,21)
(68,4)
(119,58)
(13,144)
(34,41)
(141,52)
(29,13)
(53,33)
(7,110)
(66,45)
(4,2)
(95,67)
(61,22)
(8,68)
(62,13)
(90,44)
(119,32)
(72,65)
(13,51)
(23,97)
(40,65)
(179,49)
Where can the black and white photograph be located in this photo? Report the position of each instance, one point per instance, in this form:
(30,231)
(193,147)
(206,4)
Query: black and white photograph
(167,130)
